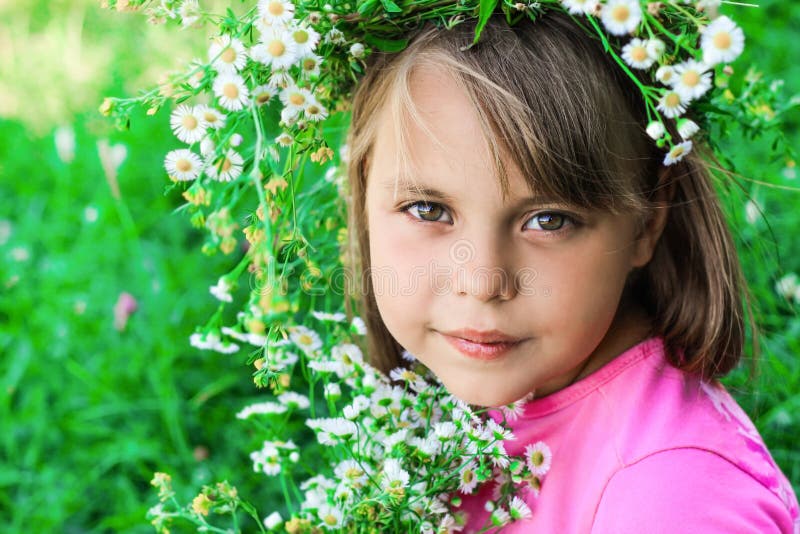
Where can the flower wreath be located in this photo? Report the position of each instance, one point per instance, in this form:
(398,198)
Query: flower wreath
(252,116)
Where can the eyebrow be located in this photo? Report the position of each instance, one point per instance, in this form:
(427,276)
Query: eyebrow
(435,194)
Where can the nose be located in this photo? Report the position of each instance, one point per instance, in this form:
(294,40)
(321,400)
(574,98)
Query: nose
(481,269)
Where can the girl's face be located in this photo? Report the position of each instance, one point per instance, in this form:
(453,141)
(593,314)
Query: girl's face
(551,275)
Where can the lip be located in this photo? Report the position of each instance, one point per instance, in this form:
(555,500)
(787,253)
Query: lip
(482,350)
(485,336)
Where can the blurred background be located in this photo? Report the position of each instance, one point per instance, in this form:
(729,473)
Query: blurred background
(101,282)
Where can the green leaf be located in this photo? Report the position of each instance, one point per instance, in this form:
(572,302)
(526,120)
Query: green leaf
(386,45)
(486,9)
(367,7)
(391,7)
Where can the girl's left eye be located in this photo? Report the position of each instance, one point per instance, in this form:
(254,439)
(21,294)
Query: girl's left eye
(551,221)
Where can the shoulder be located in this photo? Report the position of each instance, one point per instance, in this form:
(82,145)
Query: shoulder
(692,488)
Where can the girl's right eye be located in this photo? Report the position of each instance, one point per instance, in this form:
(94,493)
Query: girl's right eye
(427,211)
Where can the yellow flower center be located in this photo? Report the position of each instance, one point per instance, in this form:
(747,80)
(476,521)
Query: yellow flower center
(305,339)
(312,109)
(330,519)
(183,165)
(262,98)
(677,152)
(301,36)
(353,472)
(210,118)
(672,100)
(639,53)
(230,91)
(620,13)
(226,165)
(468,475)
(276,48)
(297,99)
(723,40)
(537,458)
(229,55)
(690,78)
(309,64)
(276,9)
(189,122)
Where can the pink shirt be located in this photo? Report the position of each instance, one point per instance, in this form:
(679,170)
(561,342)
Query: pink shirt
(641,447)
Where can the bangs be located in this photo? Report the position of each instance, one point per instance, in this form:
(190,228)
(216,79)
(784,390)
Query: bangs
(556,117)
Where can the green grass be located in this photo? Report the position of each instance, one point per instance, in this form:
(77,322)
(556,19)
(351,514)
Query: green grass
(87,413)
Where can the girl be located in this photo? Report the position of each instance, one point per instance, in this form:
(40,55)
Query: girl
(522,238)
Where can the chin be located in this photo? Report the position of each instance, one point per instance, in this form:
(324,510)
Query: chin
(483,399)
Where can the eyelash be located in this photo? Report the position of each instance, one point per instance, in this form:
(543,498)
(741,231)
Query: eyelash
(572,222)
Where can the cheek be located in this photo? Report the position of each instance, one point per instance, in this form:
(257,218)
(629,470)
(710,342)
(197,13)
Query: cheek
(400,280)
(580,293)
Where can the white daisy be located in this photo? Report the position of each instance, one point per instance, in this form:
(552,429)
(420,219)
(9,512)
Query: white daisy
(226,167)
(273,520)
(207,147)
(358,325)
(538,457)
(752,213)
(500,517)
(227,54)
(656,48)
(183,164)
(352,472)
(677,153)
(335,36)
(357,50)
(788,284)
(687,128)
(518,509)
(722,41)
(305,38)
(290,399)
(276,11)
(296,98)
(692,79)
(280,78)
(261,408)
(263,94)
(331,517)
(310,65)
(581,7)
(656,130)
(467,478)
(306,339)
(636,55)
(276,49)
(267,460)
(289,116)
(666,75)
(284,139)
(621,17)
(315,111)
(222,290)
(672,105)
(332,391)
(325,316)
(231,91)
(213,117)
(188,124)
(394,476)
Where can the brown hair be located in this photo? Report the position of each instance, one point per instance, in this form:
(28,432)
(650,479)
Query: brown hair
(553,101)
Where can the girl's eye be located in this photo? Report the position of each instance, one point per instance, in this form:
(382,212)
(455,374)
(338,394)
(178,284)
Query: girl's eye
(427,211)
(550,221)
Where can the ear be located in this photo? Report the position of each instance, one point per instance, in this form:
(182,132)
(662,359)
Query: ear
(653,225)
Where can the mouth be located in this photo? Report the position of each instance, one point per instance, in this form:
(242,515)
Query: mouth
(481,350)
